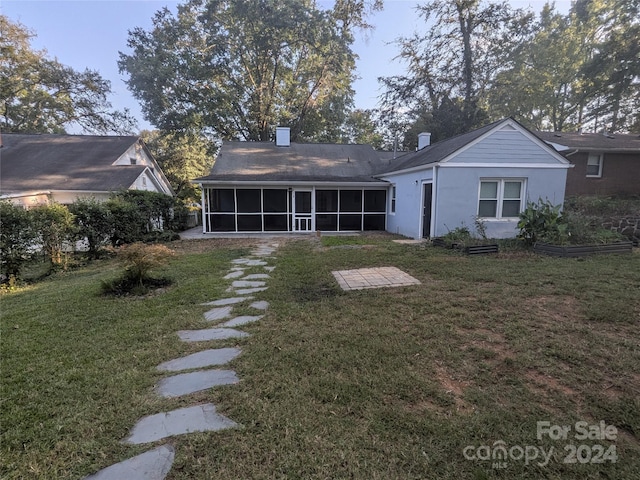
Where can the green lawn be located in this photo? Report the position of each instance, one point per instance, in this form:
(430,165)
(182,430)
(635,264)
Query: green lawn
(372,384)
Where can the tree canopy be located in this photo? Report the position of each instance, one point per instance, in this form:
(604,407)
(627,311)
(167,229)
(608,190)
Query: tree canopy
(40,95)
(238,69)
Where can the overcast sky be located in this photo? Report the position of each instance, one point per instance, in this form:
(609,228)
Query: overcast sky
(89,34)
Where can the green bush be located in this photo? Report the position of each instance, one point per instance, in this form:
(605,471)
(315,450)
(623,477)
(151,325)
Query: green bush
(55,227)
(94,223)
(138,259)
(17,237)
(542,221)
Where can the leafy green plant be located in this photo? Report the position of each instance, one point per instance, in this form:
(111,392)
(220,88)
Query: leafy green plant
(94,223)
(17,237)
(55,227)
(541,221)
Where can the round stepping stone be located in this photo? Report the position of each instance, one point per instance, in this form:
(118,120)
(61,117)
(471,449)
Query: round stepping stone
(261,305)
(227,301)
(200,418)
(206,358)
(247,284)
(218,313)
(243,320)
(191,382)
(256,276)
(210,334)
(152,465)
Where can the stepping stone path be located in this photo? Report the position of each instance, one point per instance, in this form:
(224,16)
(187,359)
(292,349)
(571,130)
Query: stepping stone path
(156,464)
(185,383)
(206,358)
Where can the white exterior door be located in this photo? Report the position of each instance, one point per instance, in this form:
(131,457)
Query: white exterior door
(302,211)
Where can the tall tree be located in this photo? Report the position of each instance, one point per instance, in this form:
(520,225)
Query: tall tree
(40,95)
(237,69)
(579,70)
(182,157)
(452,65)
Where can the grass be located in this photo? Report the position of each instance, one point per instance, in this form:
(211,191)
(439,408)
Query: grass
(371,384)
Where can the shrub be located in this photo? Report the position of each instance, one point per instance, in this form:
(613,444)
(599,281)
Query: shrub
(138,259)
(17,237)
(55,227)
(541,221)
(94,223)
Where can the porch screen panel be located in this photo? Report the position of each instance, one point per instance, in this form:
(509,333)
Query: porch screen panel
(350,201)
(374,222)
(375,201)
(275,204)
(327,222)
(249,223)
(221,223)
(249,200)
(222,200)
(350,222)
(327,201)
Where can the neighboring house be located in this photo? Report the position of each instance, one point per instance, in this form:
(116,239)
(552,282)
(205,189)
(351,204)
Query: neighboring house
(489,173)
(605,164)
(61,168)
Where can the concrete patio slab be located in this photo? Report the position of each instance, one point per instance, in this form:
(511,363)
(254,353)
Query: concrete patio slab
(227,301)
(373,278)
(191,382)
(152,465)
(206,358)
(210,334)
(243,320)
(200,418)
(217,313)
(261,305)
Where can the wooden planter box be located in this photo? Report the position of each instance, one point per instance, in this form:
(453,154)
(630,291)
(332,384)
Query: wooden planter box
(582,250)
(481,249)
(470,250)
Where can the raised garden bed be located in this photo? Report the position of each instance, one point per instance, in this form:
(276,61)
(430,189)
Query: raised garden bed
(468,249)
(582,250)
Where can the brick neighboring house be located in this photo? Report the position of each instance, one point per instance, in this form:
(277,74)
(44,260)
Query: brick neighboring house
(604,164)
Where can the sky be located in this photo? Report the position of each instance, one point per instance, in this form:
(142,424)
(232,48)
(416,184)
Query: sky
(90,33)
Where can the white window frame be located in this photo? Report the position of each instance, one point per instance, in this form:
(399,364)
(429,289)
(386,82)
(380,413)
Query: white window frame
(500,196)
(392,200)
(600,158)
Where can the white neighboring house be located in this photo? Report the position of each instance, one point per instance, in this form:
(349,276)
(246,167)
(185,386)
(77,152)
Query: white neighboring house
(46,168)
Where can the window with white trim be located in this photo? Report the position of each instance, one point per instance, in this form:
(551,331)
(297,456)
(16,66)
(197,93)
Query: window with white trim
(500,198)
(393,200)
(594,165)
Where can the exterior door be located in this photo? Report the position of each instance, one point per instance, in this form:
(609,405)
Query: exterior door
(302,215)
(426,210)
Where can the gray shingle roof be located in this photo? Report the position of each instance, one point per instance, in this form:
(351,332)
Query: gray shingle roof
(304,162)
(595,142)
(65,162)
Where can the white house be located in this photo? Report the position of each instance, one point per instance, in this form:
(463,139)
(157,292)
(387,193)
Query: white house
(489,173)
(61,168)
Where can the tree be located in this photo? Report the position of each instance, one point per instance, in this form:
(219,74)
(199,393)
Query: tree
(362,127)
(451,67)
(182,157)
(237,69)
(40,95)
(580,70)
